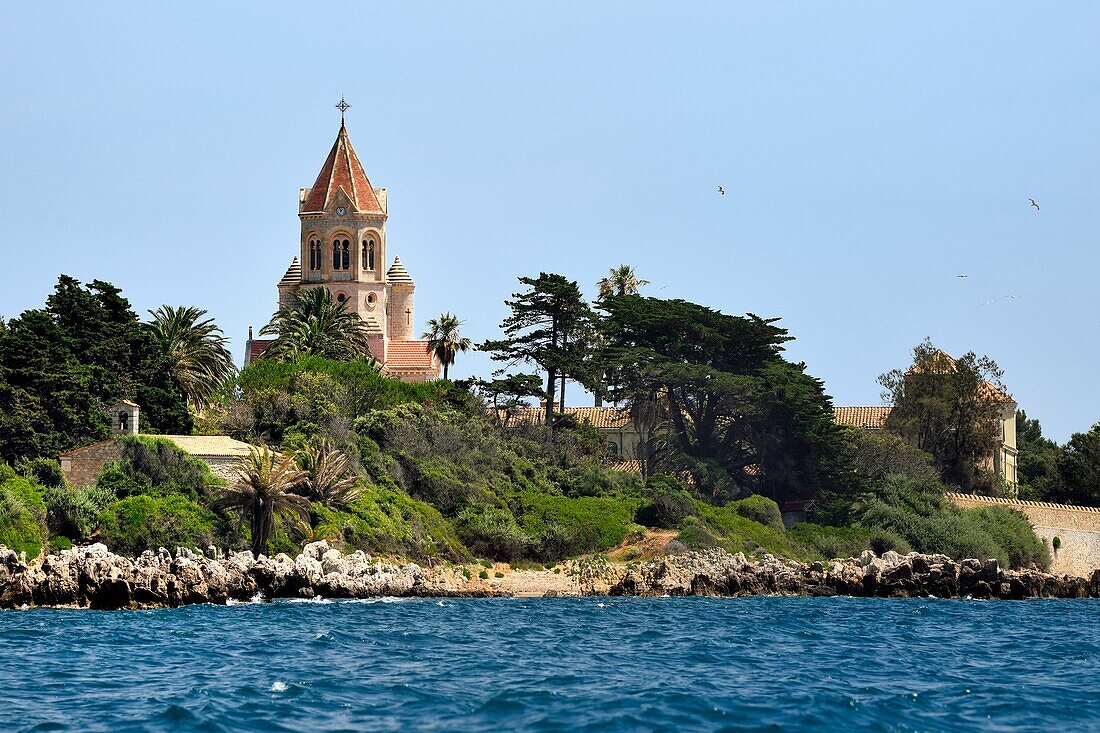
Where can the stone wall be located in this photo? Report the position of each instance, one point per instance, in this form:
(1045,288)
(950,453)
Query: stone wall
(81,466)
(1077,528)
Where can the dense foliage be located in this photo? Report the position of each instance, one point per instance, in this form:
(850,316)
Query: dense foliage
(722,402)
(951,409)
(61,366)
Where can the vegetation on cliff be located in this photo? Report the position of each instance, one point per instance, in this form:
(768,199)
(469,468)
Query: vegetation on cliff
(433,470)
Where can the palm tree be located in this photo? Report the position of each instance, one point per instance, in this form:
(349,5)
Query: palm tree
(327,478)
(196,350)
(444,340)
(620,280)
(315,324)
(264,492)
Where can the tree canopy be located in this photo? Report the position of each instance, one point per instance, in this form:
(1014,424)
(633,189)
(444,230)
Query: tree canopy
(548,328)
(950,408)
(61,366)
(725,404)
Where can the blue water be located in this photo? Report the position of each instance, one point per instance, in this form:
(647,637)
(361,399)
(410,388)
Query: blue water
(557,665)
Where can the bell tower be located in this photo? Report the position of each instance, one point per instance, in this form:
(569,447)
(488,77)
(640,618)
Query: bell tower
(343,235)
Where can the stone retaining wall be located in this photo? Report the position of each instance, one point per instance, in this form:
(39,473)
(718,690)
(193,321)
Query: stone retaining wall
(1077,527)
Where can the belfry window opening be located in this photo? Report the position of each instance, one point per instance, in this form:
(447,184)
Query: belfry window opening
(315,254)
(341,254)
(368,254)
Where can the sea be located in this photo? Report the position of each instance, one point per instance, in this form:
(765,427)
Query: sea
(569,664)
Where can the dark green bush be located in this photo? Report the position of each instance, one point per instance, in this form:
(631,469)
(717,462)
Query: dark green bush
(562,526)
(492,532)
(130,526)
(43,471)
(918,512)
(72,512)
(826,543)
(157,467)
(22,514)
(669,503)
(759,509)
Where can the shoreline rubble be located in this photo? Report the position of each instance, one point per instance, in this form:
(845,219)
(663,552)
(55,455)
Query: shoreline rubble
(93,577)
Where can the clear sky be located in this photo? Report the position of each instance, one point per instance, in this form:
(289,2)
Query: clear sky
(870,154)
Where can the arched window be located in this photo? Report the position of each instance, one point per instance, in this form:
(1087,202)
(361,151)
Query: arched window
(315,254)
(368,254)
(345,255)
(336,254)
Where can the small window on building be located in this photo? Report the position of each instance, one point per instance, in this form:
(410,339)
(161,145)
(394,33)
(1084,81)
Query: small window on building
(368,254)
(370,298)
(336,254)
(341,298)
(345,255)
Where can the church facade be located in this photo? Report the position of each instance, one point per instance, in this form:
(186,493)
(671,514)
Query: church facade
(343,248)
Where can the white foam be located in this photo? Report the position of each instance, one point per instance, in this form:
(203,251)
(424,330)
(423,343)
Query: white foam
(278,686)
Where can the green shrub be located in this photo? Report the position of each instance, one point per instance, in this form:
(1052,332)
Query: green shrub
(740,534)
(43,471)
(491,532)
(158,467)
(825,542)
(484,575)
(697,536)
(130,526)
(57,544)
(72,512)
(561,526)
(498,574)
(1012,532)
(485,563)
(388,521)
(22,514)
(917,512)
(1056,543)
(669,504)
(759,509)
(466,573)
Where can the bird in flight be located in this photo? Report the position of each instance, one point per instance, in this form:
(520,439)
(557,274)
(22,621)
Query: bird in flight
(989,302)
(962,276)
(1034,204)
(721,191)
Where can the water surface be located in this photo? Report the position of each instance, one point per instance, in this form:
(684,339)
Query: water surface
(590,664)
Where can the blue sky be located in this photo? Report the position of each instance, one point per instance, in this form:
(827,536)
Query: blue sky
(869,152)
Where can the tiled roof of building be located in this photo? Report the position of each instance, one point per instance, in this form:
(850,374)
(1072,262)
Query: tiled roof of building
(293,274)
(208,446)
(256,348)
(397,273)
(605,418)
(628,466)
(343,171)
(409,356)
(873,417)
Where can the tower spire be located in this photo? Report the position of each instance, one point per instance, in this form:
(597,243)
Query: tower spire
(343,107)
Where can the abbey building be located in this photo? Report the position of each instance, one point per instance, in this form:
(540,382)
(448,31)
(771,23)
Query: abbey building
(343,248)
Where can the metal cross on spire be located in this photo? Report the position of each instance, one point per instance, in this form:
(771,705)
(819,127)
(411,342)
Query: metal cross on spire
(343,107)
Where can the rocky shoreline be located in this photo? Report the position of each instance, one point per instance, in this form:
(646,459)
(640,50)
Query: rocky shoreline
(93,577)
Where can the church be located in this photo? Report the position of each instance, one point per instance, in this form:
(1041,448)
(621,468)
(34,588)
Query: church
(343,249)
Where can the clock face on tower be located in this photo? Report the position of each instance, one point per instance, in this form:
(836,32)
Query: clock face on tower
(340,211)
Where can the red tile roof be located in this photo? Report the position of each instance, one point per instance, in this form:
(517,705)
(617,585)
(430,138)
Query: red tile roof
(873,418)
(342,170)
(605,418)
(409,356)
(256,349)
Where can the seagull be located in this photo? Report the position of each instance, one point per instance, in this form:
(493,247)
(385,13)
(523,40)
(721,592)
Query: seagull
(962,276)
(1034,204)
(721,191)
(989,302)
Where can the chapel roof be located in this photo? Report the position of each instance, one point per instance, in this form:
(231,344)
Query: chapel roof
(343,171)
